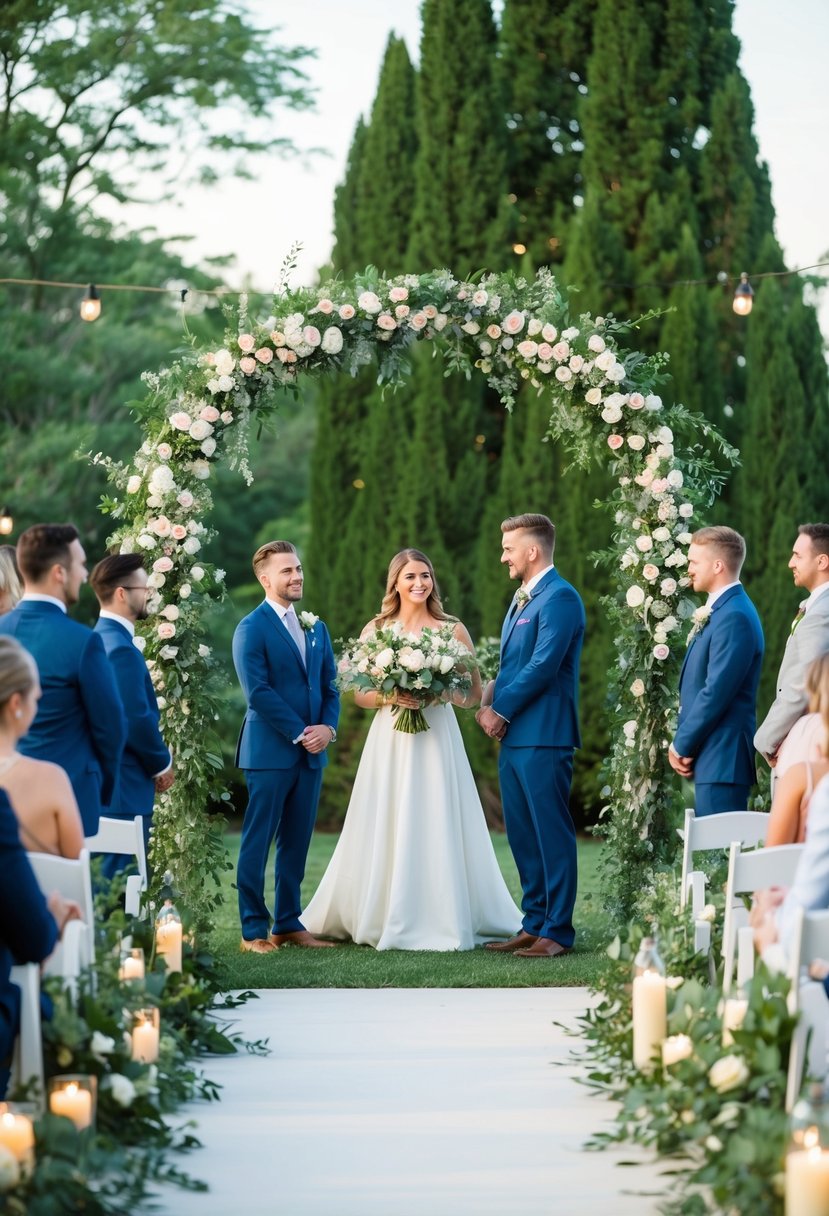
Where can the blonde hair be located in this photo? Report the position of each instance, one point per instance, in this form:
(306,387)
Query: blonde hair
(817,688)
(18,670)
(730,546)
(9,581)
(390,607)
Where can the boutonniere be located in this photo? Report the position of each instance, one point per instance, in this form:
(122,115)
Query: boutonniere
(308,620)
(699,619)
(522,597)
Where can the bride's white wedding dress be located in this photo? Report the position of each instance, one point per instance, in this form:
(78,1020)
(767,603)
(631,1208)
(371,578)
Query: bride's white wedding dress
(414,867)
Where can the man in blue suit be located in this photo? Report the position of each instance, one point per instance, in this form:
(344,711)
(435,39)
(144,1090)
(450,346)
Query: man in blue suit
(714,741)
(287,671)
(120,583)
(80,723)
(532,707)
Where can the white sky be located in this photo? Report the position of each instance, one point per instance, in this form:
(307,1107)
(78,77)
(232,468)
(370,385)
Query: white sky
(784,58)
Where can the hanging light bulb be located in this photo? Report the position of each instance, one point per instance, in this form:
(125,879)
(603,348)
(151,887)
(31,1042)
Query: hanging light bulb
(743,297)
(91,304)
(6,522)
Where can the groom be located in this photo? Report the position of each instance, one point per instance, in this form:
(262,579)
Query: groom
(287,671)
(532,707)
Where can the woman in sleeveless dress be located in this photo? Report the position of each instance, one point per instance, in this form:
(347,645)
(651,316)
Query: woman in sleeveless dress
(40,793)
(793,790)
(414,868)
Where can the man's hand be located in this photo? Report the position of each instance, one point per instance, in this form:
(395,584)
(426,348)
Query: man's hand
(315,739)
(163,783)
(684,765)
(491,723)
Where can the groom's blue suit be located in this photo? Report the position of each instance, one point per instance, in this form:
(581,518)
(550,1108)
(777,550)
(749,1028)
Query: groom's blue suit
(717,701)
(537,692)
(284,695)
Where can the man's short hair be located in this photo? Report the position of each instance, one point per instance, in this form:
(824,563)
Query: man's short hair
(818,534)
(114,572)
(43,546)
(540,528)
(730,546)
(264,551)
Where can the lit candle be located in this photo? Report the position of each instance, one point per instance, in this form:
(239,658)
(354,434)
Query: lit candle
(74,1102)
(17,1135)
(807,1183)
(734,1014)
(132,966)
(145,1035)
(168,944)
(650,1017)
(677,1047)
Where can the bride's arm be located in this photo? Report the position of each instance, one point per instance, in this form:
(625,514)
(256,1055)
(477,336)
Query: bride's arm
(473,697)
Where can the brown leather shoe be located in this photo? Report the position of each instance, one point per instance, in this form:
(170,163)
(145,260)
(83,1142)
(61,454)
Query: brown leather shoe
(256,945)
(544,947)
(512,944)
(300,937)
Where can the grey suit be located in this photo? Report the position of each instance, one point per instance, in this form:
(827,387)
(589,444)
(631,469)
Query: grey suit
(809,640)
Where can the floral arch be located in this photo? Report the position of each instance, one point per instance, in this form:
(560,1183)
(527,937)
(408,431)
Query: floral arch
(603,406)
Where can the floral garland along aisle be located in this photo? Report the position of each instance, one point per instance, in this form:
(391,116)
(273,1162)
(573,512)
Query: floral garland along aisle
(603,403)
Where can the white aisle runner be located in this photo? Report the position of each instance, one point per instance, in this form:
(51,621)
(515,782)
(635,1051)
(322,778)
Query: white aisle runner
(407,1102)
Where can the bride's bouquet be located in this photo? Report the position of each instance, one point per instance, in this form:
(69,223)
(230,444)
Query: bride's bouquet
(426,666)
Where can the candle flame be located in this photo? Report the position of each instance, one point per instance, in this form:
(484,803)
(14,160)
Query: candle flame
(72,1088)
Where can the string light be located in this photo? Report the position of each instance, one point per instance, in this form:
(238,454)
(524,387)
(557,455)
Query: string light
(6,522)
(91,304)
(743,297)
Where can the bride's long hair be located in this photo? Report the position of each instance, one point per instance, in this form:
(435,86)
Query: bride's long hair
(390,608)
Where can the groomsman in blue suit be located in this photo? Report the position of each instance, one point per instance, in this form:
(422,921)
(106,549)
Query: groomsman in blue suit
(80,723)
(714,741)
(287,670)
(532,707)
(120,583)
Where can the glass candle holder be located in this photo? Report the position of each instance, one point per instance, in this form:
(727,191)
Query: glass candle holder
(132,965)
(807,1161)
(74,1095)
(18,1136)
(145,1035)
(168,935)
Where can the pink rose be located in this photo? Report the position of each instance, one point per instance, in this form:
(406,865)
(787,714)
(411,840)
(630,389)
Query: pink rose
(563,374)
(659,485)
(561,351)
(615,441)
(325,307)
(162,565)
(661,651)
(181,421)
(636,401)
(401,311)
(277,338)
(576,363)
(179,532)
(386,321)
(166,630)
(545,352)
(264,354)
(185,499)
(479,298)
(418,320)
(430,311)
(227,417)
(549,333)
(209,359)
(527,349)
(161,526)
(311,335)
(513,322)
(247,342)
(209,413)
(247,365)
(650,571)
(397,294)
(346,311)
(286,356)
(493,331)
(164,451)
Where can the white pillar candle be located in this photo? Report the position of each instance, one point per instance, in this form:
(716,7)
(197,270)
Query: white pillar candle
(168,944)
(650,1017)
(677,1047)
(145,1036)
(734,1013)
(17,1135)
(74,1102)
(807,1183)
(132,966)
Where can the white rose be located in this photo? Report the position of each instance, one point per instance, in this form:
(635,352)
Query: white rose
(123,1090)
(369,302)
(223,363)
(630,728)
(191,545)
(146,541)
(635,596)
(615,373)
(596,344)
(185,591)
(412,660)
(441,321)
(675,478)
(662,534)
(200,430)
(200,469)
(605,360)
(170,612)
(385,659)
(332,340)
(638,688)
(471,327)
(727,1073)
(636,442)
(686,510)
(204,651)
(653,403)
(197,574)
(138,642)
(225,384)
(611,413)
(101,1044)
(593,396)
(667,586)
(134,484)
(446,664)
(549,333)
(162,480)
(644,543)
(209,446)
(156,580)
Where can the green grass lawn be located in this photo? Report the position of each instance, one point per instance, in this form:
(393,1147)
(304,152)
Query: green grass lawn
(351,966)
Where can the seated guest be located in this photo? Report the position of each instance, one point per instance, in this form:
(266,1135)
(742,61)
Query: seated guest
(793,790)
(120,583)
(30,925)
(80,723)
(10,589)
(40,792)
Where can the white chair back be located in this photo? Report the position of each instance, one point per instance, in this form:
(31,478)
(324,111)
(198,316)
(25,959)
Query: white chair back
(717,832)
(124,836)
(27,1062)
(807,998)
(749,872)
(72,878)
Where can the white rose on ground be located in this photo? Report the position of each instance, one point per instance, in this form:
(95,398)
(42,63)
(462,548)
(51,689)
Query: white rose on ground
(134,484)
(635,596)
(123,1090)
(727,1073)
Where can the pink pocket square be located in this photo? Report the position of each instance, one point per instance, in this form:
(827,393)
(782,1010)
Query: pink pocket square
(525,620)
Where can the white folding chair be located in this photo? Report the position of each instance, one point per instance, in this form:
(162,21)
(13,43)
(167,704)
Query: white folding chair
(807,998)
(715,832)
(124,836)
(76,948)
(749,872)
(27,1061)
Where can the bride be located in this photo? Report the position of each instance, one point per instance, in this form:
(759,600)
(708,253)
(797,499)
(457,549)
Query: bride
(414,867)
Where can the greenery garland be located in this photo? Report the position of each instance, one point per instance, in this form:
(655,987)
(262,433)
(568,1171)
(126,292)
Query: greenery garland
(603,406)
